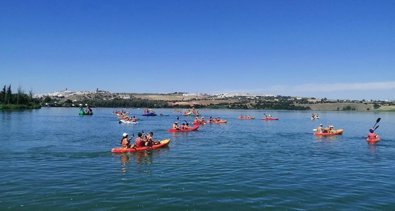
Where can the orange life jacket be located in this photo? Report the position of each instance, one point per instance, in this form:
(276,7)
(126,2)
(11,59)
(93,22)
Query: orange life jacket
(372,135)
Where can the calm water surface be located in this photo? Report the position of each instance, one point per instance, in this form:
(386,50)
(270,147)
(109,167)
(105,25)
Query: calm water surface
(54,159)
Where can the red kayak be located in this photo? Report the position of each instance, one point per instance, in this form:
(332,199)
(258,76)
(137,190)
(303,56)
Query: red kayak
(221,121)
(334,133)
(195,127)
(246,118)
(269,118)
(163,143)
(373,140)
(199,123)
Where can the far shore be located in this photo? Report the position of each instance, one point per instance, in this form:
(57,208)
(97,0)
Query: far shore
(179,100)
(10,107)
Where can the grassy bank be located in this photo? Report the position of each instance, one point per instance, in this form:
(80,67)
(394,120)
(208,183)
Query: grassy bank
(387,108)
(18,106)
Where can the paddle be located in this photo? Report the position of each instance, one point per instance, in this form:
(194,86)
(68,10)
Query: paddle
(377,121)
(376,127)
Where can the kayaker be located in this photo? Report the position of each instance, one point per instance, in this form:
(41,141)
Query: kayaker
(88,110)
(139,142)
(150,140)
(320,129)
(331,130)
(134,119)
(186,126)
(182,126)
(175,126)
(372,134)
(196,121)
(125,141)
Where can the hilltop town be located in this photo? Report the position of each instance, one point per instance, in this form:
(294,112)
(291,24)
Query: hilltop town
(101,98)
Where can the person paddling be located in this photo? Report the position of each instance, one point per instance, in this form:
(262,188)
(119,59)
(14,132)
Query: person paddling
(125,141)
(372,134)
(150,140)
(319,129)
(175,126)
(89,110)
(196,121)
(139,142)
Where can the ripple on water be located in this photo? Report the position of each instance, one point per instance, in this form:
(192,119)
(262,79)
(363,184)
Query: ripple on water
(57,160)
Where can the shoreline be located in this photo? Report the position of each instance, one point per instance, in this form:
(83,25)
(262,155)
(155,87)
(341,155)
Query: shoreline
(16,107)
(185,101)
(246,109)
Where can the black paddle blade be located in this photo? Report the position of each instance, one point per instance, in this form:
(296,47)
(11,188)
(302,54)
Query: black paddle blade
(377,121)
(376,127)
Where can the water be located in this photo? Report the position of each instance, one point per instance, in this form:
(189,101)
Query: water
(54,159)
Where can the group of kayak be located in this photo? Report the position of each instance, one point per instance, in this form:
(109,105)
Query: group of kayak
(211,120)
(247,117)
(372,137)
(184,127)
(266,117)
(124,118)
(217,120)
(146,142)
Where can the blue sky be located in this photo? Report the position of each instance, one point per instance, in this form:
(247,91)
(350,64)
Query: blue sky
(335,49)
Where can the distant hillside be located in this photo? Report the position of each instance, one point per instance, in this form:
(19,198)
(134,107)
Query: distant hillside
(341,106)
(184,100)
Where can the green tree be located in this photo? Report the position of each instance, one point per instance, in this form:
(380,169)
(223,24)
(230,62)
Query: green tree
(9,95)
(2,95)
(31,96)
(19,95)
(47,99)
(5,94)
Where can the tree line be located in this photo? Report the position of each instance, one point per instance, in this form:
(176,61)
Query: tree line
(20,99)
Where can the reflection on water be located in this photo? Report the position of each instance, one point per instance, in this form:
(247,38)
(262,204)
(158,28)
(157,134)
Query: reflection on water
(124,161)
(143,158)
(326,138)
(372,149)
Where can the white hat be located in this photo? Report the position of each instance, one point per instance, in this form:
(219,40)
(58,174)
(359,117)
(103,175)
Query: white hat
(124,134)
